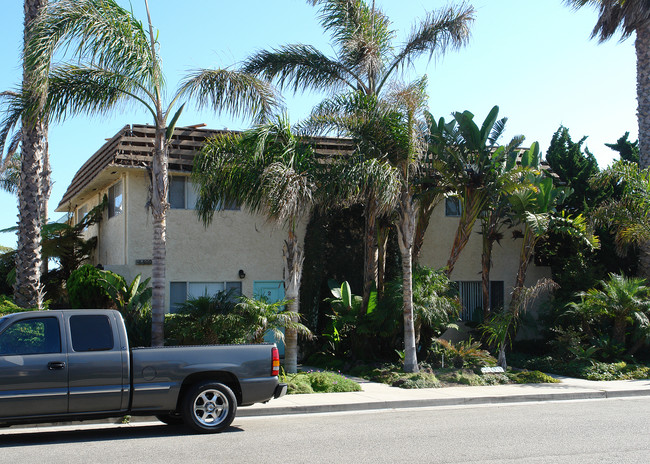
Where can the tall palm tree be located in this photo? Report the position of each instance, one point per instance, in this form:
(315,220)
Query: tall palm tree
(115,63)
(366,60)
(27,287)
(268,170)
(630,16)
(392,130)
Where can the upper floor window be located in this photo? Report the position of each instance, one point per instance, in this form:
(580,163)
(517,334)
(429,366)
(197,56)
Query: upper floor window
(81,213)
(183,194)
(115,197)
(452,207)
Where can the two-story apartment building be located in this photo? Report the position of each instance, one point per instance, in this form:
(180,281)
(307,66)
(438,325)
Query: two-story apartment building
(237,250)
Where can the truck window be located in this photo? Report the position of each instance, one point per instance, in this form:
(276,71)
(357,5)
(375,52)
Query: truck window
(91,332)
(31,336)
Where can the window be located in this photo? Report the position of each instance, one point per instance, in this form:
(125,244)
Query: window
(180,292)
(91,333)
(452,207)
(183,194)
(115,200)
(471,297)
(31,336)
(81,213)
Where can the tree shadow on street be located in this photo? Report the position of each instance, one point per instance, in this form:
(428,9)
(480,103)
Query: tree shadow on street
(94,433)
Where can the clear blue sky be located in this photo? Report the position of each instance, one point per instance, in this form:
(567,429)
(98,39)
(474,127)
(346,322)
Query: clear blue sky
(533,59)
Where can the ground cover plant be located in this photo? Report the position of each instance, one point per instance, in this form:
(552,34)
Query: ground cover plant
(318,382)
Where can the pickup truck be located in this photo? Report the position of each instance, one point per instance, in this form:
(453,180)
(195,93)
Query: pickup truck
(77,365)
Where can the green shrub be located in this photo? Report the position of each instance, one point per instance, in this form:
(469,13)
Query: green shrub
(466,354)
(329,382)
(85,289)
(417,380)
(319,382)
(531,377)
(7,306)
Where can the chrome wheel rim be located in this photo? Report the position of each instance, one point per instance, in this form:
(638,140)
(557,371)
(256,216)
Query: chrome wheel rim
(210,407)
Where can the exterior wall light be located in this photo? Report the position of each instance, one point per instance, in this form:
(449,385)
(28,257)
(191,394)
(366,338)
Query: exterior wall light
(242,274)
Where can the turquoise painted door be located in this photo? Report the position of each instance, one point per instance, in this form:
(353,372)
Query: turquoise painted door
(272,290)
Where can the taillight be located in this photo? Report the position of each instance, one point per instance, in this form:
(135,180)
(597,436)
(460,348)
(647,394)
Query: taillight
(275,361)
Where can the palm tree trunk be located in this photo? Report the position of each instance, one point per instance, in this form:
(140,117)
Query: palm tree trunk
(486,264)
(383,232)
(424,216)
(371,254)
(618,333)
(525,255)
(46,190)
(159,206)
(405,235)
(642,45)
(293,260)
(27,288)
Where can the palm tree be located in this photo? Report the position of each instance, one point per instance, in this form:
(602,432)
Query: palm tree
(27,287)
(628,17)
(391,129)
(268,170)
(365,61)
(621,298)
(117,64)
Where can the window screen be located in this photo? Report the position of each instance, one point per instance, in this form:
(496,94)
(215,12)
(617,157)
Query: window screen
(91,333)
(452,207)
(177,193)
(115,200)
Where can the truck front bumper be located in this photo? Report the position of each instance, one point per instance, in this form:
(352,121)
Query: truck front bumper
(280,390)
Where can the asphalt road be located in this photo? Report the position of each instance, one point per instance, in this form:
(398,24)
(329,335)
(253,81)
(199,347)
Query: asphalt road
(611,431)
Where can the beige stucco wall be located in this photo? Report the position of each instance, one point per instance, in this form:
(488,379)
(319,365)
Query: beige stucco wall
(235,240)
(505,256)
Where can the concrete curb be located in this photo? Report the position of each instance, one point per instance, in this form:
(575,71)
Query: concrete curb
(436,402)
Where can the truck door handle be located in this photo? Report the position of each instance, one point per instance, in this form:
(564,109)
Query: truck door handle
(56,365)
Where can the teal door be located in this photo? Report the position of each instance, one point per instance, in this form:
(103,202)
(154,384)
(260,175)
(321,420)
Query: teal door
(272,290)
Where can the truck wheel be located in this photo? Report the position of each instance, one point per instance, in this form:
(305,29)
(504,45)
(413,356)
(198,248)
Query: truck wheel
(170,419)
(209,407)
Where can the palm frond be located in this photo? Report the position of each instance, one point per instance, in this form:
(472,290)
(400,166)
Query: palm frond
(91,90)
(239,93)
(10,174)
(12,109)
(362,34)
(442,30)
(303,66)
(99,32)
(614,16)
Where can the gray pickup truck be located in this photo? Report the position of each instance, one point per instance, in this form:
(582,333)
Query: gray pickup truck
(77,365)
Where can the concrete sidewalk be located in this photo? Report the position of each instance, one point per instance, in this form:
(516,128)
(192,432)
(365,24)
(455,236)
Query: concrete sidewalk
(380,396)
(377,396)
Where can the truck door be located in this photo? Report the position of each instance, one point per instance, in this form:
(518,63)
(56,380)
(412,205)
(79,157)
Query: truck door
(33,368)
(95,362)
